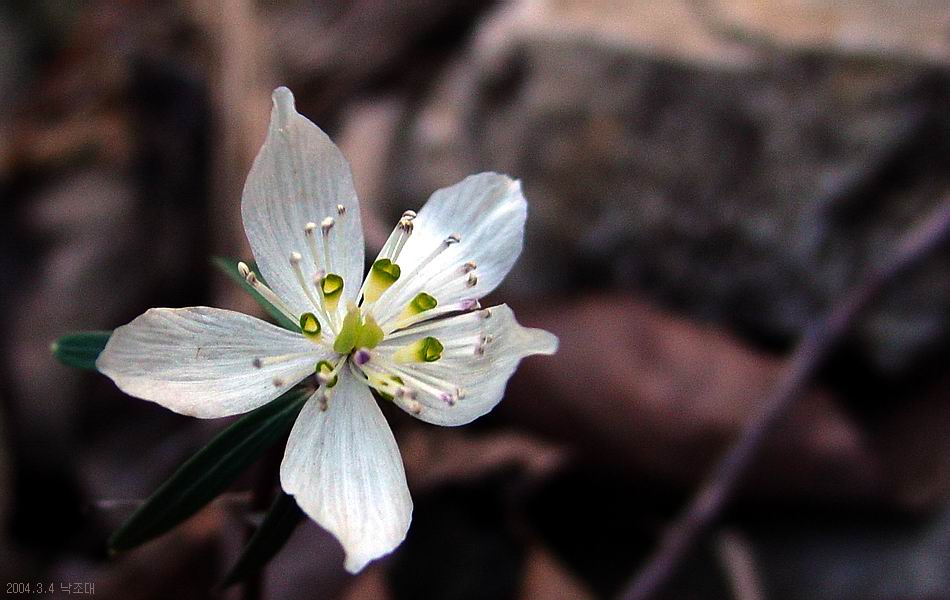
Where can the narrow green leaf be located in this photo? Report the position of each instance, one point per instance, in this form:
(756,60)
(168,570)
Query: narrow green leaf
(229,267)
(210,471)
(282,518)
(80,349)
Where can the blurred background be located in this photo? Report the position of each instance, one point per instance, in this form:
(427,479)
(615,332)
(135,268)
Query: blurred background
(704,178)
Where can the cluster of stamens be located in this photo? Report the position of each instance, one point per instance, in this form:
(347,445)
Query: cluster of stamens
(355,331)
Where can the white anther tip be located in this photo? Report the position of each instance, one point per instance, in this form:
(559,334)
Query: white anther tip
(295,257)
(327,224)
(453,238)
(409,215)
(243,269)
(340,209)
(309,228)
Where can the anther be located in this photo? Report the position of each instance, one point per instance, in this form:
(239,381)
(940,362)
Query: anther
(264,291)
(447,398)
(340,209)
(453,238)
(278,382)
(468,267)
(472,280)
(326,225)
(295,258)
(414,407)
(258,363)
(408,215)
(361,356)
(485,314)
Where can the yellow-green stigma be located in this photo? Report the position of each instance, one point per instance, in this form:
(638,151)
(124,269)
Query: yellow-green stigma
(325,369)
(310,326)
(357,331)
(383,274)
(427,349)
(331,288)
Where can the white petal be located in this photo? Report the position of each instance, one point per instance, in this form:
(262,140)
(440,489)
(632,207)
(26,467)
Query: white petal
(199,361)
(481,376)
(488,213)
(343,467)
(300,177)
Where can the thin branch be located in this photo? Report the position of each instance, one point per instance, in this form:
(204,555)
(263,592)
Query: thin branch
(819,340)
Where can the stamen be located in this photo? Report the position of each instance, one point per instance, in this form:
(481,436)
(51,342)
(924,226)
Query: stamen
(409,317)
(295,259)
(415,380)
(450,282)
(325,226)
(340,209)
(472,280)
(310,231)
(398,286)
(405,227)
(362,356)
(431,324)
(390,252)
(391,388)
(264,291)
(265,361)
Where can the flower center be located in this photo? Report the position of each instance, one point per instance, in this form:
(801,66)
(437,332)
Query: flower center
(358,330)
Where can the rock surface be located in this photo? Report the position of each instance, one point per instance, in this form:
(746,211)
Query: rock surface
(666,148)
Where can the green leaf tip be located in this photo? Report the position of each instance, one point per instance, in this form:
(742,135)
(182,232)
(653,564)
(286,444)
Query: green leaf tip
(80,349)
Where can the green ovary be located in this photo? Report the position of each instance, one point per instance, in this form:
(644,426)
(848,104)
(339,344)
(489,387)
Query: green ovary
(357,331)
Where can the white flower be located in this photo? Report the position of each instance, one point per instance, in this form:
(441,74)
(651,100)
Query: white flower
(414,330)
